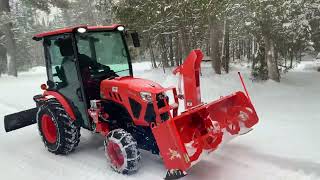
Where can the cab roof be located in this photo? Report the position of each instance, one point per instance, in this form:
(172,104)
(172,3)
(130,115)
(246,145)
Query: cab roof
(39,36)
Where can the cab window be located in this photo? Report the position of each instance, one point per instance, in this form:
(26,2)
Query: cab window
(105,48)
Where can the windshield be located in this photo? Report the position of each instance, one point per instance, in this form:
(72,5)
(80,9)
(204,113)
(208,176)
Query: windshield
(105,48)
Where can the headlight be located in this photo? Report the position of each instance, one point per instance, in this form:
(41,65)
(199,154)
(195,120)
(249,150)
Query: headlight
(146,96)
(82,30)
(120,28)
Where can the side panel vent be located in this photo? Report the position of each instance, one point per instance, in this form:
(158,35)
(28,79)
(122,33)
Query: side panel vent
(135,107)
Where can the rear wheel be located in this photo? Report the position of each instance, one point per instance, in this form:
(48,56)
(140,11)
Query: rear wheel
(122,152)
(59,133)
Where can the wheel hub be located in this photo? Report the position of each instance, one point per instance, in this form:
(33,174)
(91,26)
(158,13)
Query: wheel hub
(49,129)
(115,154)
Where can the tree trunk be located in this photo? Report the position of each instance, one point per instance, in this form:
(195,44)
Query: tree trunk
(215,48)
(90,14)
(244,48)
(10,41)
(153,59)
(291,58)
(238,50)
(3,56)
(164,51)
(178,50)
(171,51)
(233,51)
(273,71)
(253,46)
(227,47)
(208,42)
(184,43)
(223,44)
(3,59)
(249,48)
(109,19)
(66,16)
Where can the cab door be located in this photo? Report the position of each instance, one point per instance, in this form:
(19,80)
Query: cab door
(63,74)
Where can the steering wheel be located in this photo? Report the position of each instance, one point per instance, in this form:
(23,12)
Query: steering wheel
(100,72)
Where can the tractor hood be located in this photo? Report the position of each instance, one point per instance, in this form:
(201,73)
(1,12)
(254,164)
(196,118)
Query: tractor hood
(129,85)
(140,85)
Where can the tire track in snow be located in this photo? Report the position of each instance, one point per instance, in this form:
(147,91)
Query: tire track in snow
(7,106)
(242,159)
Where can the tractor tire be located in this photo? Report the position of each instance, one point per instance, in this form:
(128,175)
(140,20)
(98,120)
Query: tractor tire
(58,131)
(122,152)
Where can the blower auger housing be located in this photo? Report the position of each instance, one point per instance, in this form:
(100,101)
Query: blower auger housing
(91,85)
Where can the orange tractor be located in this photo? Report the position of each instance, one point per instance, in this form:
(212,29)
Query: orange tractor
(91,85)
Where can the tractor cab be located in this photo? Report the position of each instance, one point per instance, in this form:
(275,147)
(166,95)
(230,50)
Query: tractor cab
(79,58)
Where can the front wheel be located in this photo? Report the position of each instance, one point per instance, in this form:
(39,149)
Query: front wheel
(122,151)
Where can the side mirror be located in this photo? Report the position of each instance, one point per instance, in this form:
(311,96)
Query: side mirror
(135,39)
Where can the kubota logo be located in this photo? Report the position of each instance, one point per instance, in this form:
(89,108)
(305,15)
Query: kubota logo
(174,154)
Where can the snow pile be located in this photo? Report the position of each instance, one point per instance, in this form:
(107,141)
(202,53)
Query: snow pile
(308,66)
(282,146)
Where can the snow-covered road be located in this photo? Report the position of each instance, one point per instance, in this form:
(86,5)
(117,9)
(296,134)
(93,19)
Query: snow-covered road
(283,146)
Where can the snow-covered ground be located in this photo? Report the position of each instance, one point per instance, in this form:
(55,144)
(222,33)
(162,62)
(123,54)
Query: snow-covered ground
(283,146)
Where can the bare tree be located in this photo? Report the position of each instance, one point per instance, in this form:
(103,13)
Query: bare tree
(153,59)
(273,71)
(9,39)
(215,39)
(225,54)
(270,54)
(3,59)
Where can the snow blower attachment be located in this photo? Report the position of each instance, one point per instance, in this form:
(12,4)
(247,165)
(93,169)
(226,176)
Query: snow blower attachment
(93,87)
(200,129)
